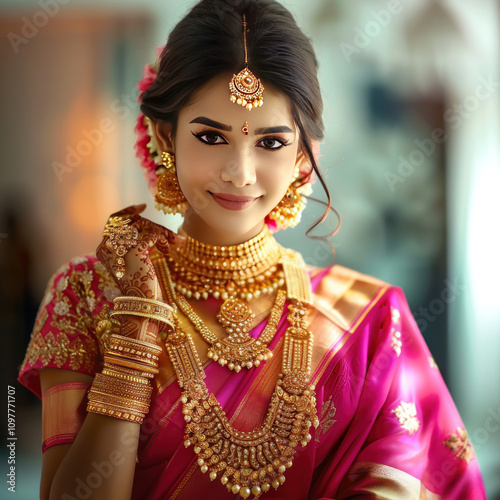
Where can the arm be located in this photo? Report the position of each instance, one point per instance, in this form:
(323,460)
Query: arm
(101,460)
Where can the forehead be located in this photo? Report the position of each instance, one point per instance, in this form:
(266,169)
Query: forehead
(212,101)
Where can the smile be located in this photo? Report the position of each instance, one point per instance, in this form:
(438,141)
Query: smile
(233,202)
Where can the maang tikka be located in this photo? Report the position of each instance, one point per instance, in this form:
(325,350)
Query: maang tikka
(246,89)
(169,197)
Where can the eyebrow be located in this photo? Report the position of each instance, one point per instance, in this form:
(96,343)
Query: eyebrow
(273,130)
(212,123)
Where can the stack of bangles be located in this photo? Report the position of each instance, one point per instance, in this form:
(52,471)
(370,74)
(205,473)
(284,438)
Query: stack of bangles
(123,389)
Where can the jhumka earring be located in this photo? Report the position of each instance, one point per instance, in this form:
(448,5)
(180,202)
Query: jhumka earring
(288,212)
(246,89)
(169,197)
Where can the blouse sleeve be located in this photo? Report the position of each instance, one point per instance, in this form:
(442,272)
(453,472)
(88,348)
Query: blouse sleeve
(404,437)
(72,322)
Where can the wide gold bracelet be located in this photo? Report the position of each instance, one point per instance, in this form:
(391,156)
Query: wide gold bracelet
(146,308)
(115,371)
(134,350)
(111,385)
(119,398)
(116,413)
(118,402)
(123,390)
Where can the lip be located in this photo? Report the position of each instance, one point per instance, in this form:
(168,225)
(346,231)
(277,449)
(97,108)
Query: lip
(232,201)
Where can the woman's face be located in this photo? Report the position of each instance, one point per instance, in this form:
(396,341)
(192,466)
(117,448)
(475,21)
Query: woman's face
(232,180)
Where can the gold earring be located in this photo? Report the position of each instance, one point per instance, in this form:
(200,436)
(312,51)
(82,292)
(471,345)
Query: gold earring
(169,197)
(288,212)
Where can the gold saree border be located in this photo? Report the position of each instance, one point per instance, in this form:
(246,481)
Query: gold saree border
(184,481)
(63,412)
(383,481)
(342,300)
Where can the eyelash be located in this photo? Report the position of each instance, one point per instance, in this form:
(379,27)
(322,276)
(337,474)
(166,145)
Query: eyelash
(200,136)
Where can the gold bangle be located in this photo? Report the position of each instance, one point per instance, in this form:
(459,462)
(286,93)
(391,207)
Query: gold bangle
(134,344)
(114,372)
(148,361)
(149,371)
(124,403)
(116,413)
(156,317)
(147,308)
(117,386)
(127,371)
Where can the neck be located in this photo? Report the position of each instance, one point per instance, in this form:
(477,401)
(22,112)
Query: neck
(195,228)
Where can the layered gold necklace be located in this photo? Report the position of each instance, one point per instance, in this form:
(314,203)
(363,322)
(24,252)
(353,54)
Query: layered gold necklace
(248,462)
(244,271)
(234,274)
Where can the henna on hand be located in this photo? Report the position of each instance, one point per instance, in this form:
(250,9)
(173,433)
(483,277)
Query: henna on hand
(137,274)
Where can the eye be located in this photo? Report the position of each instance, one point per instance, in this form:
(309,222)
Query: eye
(272,143)
(210,137)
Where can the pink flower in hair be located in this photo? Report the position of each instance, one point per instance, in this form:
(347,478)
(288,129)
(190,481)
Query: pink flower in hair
(145,146)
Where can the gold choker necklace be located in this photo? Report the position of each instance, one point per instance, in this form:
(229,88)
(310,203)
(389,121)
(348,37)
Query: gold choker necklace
(245,271)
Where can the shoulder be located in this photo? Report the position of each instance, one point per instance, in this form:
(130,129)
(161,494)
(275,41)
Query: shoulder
(67,333)
(83,276)
(354,314)
(343,294)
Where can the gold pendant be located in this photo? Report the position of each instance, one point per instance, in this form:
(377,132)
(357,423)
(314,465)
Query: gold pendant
(239,349)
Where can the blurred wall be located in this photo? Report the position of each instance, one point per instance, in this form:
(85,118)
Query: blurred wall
(411,155)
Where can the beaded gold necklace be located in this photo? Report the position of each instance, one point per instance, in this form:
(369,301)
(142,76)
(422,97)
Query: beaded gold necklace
(250,462)
(245,271)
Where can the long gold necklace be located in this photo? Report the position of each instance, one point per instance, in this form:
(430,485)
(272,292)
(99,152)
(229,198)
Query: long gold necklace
(249,462)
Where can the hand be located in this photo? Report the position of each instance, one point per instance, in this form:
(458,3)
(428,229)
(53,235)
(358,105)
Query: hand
(124,251)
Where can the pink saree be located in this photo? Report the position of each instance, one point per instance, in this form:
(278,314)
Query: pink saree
(388,427)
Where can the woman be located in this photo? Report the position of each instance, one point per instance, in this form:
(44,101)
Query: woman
(265,378)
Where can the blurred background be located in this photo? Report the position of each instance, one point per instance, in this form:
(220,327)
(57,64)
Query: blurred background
(411,155)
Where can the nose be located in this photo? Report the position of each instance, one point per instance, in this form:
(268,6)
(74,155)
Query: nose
(240,171)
